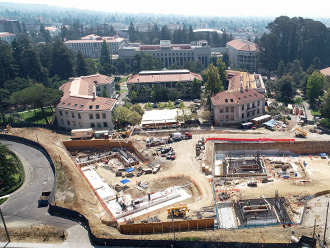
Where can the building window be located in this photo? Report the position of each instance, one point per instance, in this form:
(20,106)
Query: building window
(221,110)
(98,124)
(72,114)
(80,125)
(97,116)
(66,114)
(62,121)
(92,124)
(97,106)
(242,107)
(227,109)
(79,116)
(257,111)
(68,123)
(105,124)
(227,117)
(232,109)
(221,117)
(74,123)
(61,113)
(91,117)
(231,117)
(242,115)
(104,115)
(90,106)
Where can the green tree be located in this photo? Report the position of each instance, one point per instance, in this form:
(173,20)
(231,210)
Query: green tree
(196,88)
(4,103)
(137,108)
(7,167)
(221,66)
(7,71)
(213,84)
(61,60)
(281,69)
(81,65)
(315,84)
(148,106)
(37,95)
(105,53)
(120,115)
(206,115)
(325,106)
(180,88)
(191,35)
(134,118)
(16,84)
(286,90)
(105,93)
(170,105)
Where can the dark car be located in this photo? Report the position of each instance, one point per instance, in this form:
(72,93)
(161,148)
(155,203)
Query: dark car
(154,105)
(171,155)
(166,150)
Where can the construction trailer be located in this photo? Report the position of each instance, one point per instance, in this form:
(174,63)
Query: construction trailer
(82,133)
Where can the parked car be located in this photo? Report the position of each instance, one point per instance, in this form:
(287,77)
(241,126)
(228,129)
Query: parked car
(154,105)
(166,150)
(171,155)
(197,100)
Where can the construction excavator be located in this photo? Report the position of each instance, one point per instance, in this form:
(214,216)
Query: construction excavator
(180,211)
(300,133)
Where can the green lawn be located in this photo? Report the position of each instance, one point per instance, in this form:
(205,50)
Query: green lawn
(123,90)
(2,200)
(314,110)
(39,118)
(123,79)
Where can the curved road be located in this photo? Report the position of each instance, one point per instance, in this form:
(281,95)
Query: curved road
(21,209)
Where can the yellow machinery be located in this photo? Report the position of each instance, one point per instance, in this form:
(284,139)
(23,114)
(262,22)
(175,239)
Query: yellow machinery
(180,211)
(300,133)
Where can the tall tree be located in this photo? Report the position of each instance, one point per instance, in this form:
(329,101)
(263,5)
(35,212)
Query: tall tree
(213,84)
(81,65)
(132,33)
(6,63)
(105,53)
(315,84)
(37,95)
(61,60)
(285,88)
(281,69)
(191,35)
(165,33)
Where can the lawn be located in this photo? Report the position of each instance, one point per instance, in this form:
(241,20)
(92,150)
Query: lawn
(39,118)
(314,111)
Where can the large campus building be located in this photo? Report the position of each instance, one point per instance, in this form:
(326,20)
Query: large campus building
(169,53)
(91,45)
(82,106)
(145,80)
(7,37)
(243,55)
(11,26)
(243,101)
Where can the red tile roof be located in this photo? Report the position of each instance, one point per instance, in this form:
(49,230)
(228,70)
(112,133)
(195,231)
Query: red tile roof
(237,97)
(243,45)
(175,77)
(78,94)
(326,71)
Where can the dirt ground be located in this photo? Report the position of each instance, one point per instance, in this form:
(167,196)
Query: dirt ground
(75,193)
(35,234)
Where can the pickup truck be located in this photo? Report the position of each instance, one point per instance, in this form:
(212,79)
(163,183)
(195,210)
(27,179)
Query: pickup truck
(43,199)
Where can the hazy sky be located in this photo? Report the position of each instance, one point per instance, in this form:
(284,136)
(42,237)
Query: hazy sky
(264,8)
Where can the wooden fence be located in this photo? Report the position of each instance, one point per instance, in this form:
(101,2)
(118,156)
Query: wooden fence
(169,226)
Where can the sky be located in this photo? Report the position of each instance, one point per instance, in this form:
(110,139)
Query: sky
(237,8)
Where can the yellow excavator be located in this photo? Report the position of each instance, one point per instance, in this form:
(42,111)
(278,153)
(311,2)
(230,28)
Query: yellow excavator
(180,211)
(300,133)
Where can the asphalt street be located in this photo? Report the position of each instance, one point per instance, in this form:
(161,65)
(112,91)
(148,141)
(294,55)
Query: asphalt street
(21,209)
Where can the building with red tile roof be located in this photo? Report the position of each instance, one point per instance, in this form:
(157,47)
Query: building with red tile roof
(82,104)
(242,55)
(145,80)
(232,107)
(169,53)
(7,37)
(326,71)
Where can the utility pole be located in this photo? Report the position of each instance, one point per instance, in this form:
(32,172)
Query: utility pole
(326,223)
(4,224)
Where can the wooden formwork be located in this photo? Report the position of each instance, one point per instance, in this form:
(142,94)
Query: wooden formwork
(169,226)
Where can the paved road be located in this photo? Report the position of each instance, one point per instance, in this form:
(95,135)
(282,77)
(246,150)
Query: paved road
(21,209)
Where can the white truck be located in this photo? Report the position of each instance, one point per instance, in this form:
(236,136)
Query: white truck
(82,133)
